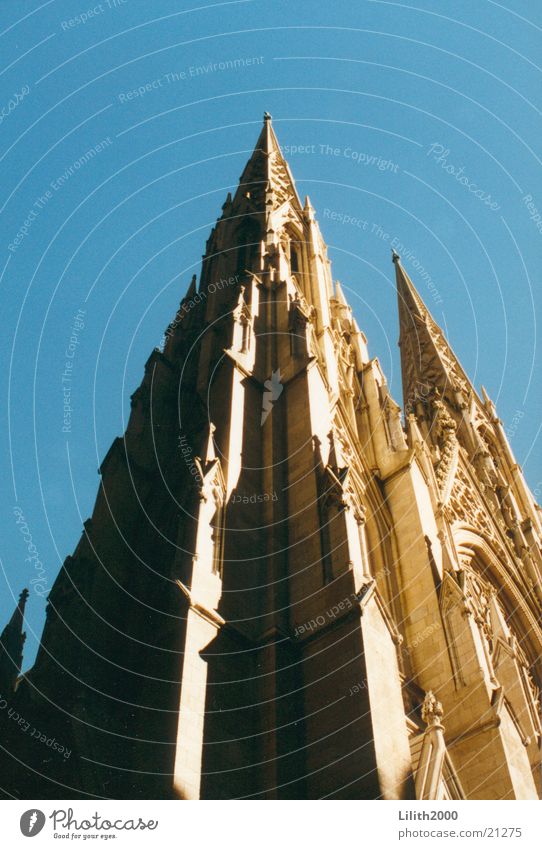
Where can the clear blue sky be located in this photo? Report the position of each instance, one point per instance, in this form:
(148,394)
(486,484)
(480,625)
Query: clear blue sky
(441,95)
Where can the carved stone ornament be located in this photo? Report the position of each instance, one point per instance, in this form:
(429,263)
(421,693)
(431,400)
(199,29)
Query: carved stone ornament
(431,709)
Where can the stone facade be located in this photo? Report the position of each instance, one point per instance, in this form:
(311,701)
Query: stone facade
(285,589)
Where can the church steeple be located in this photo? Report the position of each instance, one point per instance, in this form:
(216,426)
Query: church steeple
(11,647)
(463,429)
(275,570)
(428,363)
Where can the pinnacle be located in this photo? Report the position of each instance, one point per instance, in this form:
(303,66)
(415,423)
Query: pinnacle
(17,618)
(191,291)
(12,640)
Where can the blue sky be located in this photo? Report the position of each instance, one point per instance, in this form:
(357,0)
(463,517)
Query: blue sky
(417,123)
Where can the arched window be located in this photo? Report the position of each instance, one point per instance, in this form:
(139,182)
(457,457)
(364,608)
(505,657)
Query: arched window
(489,447)
(293,248)
(245,335)
(294,259)
(248,240)
(217,537)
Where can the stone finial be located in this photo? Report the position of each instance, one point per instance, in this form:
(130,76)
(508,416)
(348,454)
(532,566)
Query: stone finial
(395,256)
(431,709)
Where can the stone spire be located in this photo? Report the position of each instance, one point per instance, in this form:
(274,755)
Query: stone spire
(429,366)
(266,179)
(265,538)
(11,647)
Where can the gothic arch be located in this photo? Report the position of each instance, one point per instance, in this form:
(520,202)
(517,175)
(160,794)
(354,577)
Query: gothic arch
(247,239)
(496,569)
(294,248)
(489,453)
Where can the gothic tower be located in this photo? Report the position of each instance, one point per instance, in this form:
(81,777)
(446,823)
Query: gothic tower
(285,591)
(475,638)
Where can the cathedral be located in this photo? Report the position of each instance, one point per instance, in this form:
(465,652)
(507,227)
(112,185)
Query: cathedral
(290,587)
